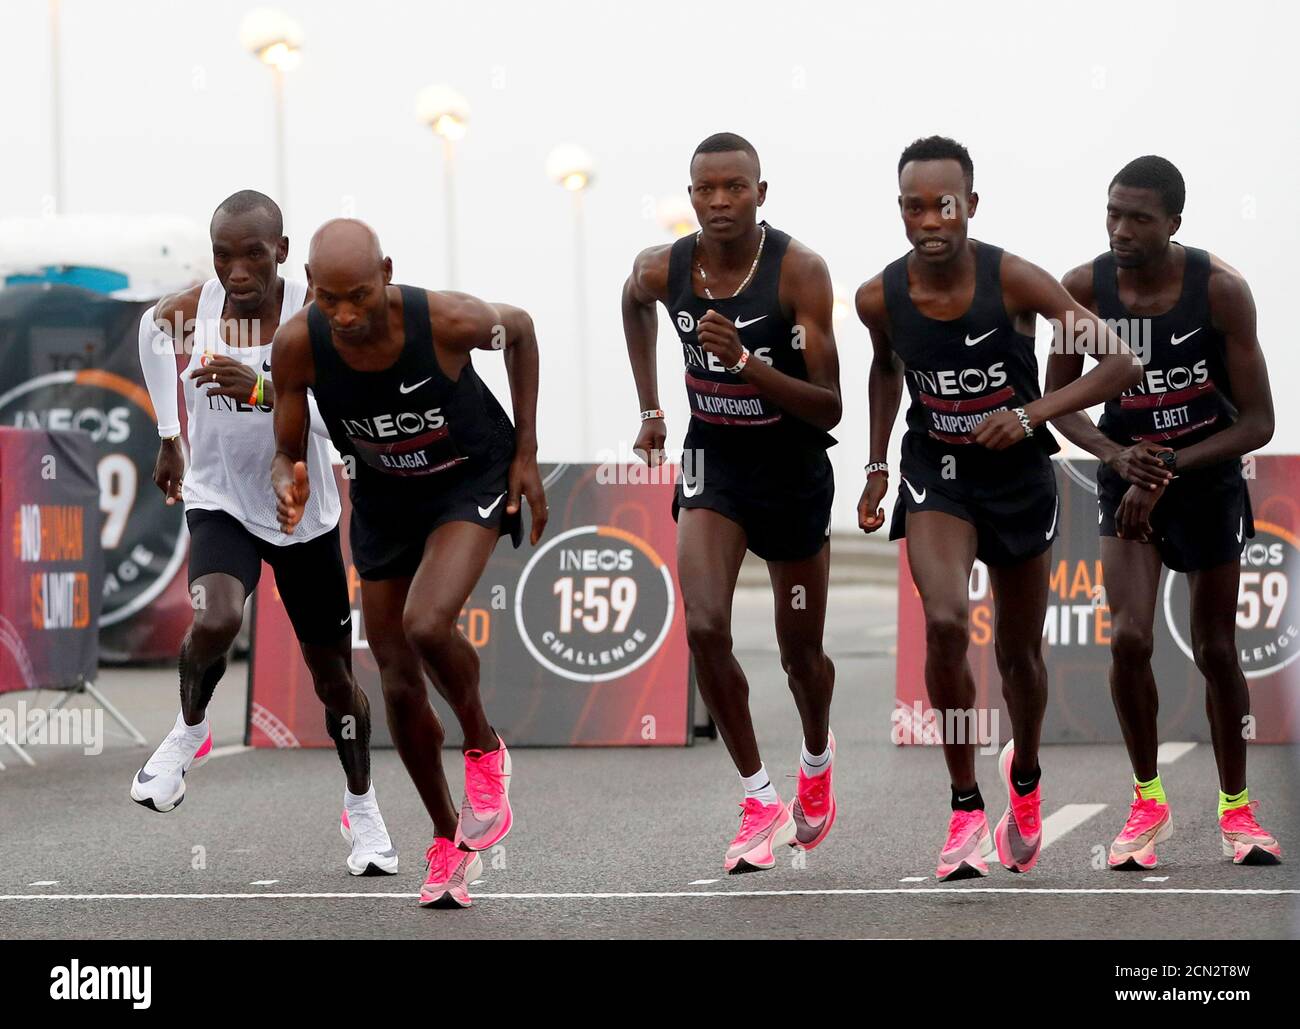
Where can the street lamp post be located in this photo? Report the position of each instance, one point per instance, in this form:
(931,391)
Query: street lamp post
(56,105)
(570,166)
(446,112)
(275,39)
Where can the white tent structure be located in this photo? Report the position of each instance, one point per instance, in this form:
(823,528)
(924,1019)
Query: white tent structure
(128,256)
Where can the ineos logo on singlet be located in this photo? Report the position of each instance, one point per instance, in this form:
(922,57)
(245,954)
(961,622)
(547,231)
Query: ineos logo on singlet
(697,357)
(384,426)
(950,382)
(1162,380)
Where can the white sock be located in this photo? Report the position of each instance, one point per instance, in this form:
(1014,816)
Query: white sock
(198,732)
(814,765)
(353,801)
(759,786)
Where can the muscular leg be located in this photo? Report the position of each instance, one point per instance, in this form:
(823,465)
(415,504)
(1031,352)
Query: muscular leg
(710,549)
(416,731)
(347,711)
(455,555)
(1214,645)
(218,612)
(800,621)
(941,552)
(1132,573)
(1019,606)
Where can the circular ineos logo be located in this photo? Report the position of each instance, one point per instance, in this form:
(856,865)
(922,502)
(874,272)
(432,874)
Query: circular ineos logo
(1268,609)
(144,540)
(594,603)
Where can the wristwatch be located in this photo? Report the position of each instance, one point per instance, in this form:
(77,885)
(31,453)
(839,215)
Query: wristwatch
(1169,458)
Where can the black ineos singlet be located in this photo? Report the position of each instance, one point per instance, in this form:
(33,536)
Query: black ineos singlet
(728,415)
(960,371)
(1184,394)
(413,433)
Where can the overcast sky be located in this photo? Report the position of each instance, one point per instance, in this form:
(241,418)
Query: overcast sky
(164,113)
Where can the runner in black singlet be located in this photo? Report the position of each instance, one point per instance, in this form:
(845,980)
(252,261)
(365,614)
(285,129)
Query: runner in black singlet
(1170,488)
(954,320)
(752,308)
(437,471)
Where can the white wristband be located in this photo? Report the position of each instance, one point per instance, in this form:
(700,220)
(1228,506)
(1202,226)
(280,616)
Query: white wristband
(1024,421)
(743,360)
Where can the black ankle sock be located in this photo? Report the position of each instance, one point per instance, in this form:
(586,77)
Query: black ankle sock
(967,800)
(1025,789)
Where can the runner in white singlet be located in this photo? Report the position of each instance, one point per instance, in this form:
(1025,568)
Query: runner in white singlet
(225,326)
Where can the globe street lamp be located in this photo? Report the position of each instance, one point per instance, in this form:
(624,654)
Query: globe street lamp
(570,166)
(446,112)
(275,39)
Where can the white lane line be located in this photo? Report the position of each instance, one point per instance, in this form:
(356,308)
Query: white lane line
(702,882)
(45,882)
(913,879)
(264,882)
(1024,891)
(1066,818)
(1168,753)
(1156,879)
(226,751)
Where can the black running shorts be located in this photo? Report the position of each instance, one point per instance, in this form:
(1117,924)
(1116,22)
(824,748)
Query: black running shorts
(1202,520)
(309,575)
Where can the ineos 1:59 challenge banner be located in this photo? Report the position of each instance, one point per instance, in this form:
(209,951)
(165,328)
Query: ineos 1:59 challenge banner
(1076,633)
(69,360)
(51,567)
(581,639)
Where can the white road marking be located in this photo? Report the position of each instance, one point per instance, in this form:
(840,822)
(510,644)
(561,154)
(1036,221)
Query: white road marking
(675,895)
(226,751)
(1168,753)
(45,882)
(913,879)
(1066,818)
(702,882)
(264,882)
(1156,879)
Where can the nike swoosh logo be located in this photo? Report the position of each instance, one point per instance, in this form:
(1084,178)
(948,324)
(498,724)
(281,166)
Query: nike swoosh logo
(346,619)
(471,823)
(1175,340)
(266,366)
(1055,508)
(918,497)
(964,799)
(688,490)
(143,777)
(971,342)
(1241,526)
(741,323)
(483,512)
(403,388)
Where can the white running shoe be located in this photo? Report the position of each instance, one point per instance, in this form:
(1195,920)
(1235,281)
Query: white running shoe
(160,784)
(373,852)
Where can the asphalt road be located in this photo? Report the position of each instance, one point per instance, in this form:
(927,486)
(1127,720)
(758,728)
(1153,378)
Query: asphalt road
(622,843)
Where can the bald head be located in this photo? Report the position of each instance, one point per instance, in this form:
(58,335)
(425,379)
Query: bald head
(345,244)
